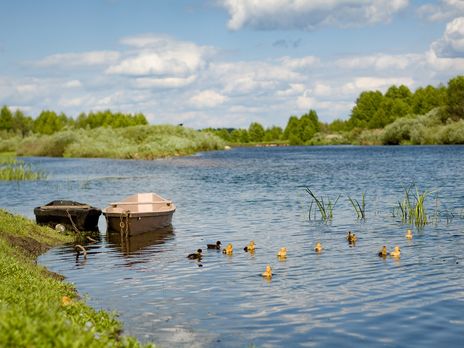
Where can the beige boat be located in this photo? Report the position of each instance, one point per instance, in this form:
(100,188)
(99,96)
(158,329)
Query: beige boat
(139,213)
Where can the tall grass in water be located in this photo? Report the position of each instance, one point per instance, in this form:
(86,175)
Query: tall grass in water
(360,208)
(12,169)
(412,207)
(325,207)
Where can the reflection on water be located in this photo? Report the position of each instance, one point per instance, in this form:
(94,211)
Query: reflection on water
(343,296)
(131,244)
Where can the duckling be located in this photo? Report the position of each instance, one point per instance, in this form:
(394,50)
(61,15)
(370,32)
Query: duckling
(351,237)
(250,247)
(383,252)
(228,249)
(282,254)
(268,272)
(216,246)
(195,256)
(408,234)
(318,247)
(396,253)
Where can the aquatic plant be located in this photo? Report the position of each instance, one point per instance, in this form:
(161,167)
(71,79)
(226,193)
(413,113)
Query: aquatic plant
(325,207)
(12,169)
(360,208)
(412,207)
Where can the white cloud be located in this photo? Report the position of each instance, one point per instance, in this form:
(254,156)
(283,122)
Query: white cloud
(72,84)
(300,63)
(379,61)
(365,83)
(451,45)
(293,89)
(446,9)
(308,14)
(208,99)
(160,55)
(72,60)
(167,82)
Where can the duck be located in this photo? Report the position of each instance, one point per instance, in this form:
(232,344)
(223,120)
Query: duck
(396,253)
(250,247)
(282,253)
(383,252)
(318,247)
(195,256)
(216,246)
(228,249)
(408,234)
(268,272)
(351,237)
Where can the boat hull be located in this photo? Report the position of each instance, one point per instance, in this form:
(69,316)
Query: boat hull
(72,215)
(138,223)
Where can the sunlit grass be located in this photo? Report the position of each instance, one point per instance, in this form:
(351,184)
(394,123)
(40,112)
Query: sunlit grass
(12,169)
(360,208)
(37,309)
(412,208)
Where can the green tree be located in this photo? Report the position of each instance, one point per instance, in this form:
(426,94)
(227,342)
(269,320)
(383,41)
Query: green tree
(273,133)
(292,129)
(428,98)
(6,119)
(49,122)
(255,132)
(21,123)
(455,106)
(366,106)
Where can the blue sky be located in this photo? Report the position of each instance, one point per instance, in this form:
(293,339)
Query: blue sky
(222,63)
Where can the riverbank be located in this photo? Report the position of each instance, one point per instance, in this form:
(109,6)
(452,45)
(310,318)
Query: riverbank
(39,309)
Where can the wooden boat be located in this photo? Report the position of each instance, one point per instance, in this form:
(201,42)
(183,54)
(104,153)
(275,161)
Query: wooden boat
(73,215)
(139,213)
(141,241)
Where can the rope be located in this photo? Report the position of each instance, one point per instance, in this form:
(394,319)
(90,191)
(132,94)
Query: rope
(124,225)
(72,222)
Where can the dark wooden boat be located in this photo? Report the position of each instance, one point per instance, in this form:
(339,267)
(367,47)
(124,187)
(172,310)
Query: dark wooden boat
(73,215)
(139,213)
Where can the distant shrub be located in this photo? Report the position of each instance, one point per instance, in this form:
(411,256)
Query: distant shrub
(47,145)
(398,132)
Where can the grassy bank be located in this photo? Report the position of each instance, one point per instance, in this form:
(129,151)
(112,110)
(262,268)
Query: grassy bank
(137,142)
(38,309)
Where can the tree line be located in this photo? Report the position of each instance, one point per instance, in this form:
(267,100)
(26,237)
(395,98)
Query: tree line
(49,122)
(373,110)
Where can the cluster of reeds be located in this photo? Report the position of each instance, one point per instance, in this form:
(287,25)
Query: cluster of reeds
(12,169)
(411,208)
(359,208)
(325,207)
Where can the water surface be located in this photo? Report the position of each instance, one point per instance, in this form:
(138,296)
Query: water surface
(345,296)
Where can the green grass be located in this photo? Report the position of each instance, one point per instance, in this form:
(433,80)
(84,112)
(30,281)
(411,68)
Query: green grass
(325,207)
(359,208)
(38,309)
(137,142)
(411,208)
(13,169)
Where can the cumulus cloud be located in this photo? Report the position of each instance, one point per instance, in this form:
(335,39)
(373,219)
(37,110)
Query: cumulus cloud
(73,60)
(379,61)
(360,84)
(160,55)
(446,9)
(167,82)
(207,99)
(308,14)
(451,45)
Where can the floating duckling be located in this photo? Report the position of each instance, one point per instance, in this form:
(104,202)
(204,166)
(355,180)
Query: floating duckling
(216,246)
(383,252)
(282,254)
(195,256)
(351,237)
(250,247)
(268,272)
(408,234)
(228,249)
(318,247)
(396,253)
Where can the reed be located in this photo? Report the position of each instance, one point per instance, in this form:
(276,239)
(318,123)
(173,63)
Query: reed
(359,208)
(412,208)
(325,208)
(13,170)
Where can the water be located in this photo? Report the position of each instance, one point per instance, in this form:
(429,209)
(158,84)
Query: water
(344,296)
